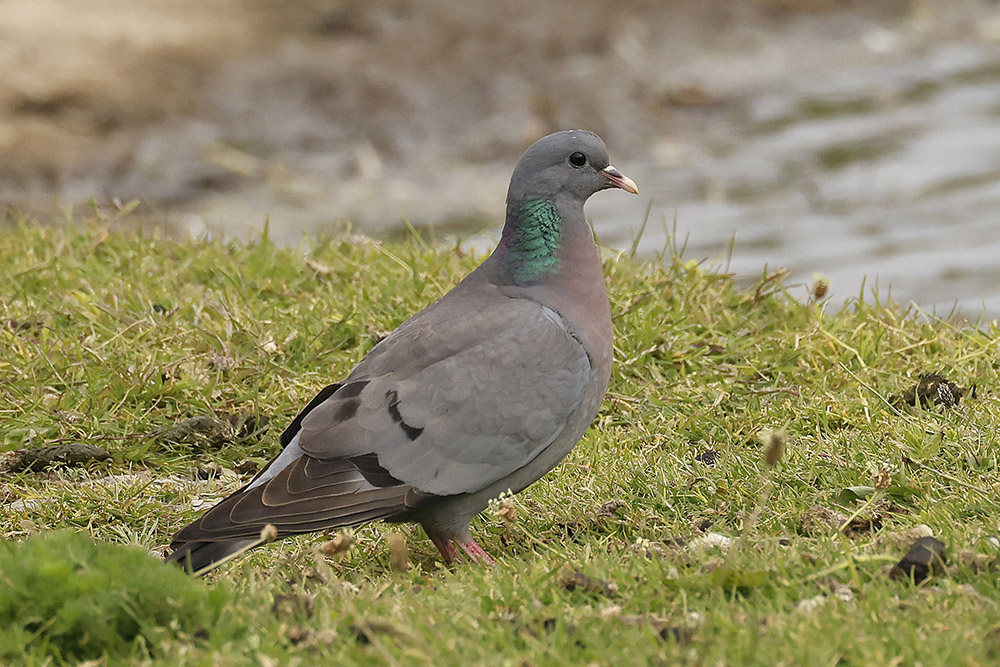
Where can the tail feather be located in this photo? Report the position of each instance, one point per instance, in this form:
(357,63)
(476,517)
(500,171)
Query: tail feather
(202,557)
(234,525)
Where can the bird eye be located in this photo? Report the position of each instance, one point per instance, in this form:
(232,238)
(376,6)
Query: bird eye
(578,159)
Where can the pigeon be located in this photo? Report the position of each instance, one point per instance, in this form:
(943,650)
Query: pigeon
(480,394)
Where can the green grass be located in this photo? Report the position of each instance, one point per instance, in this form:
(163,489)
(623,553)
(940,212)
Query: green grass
(110,337)
(62,593)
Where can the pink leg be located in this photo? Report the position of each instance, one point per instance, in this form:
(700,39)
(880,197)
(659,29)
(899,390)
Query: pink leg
(447,549)
(476,553)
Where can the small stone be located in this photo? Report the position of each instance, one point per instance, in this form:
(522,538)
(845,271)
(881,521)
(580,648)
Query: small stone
(611,611)
(842,591)
(710,541)
(926,557)
(976,561)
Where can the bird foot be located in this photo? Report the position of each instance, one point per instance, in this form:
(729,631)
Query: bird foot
(448,551)
(476,553)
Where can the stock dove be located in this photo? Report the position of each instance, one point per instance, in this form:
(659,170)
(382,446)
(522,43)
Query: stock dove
(482,392)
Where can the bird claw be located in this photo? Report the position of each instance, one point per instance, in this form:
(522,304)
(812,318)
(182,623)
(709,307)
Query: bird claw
(475,552)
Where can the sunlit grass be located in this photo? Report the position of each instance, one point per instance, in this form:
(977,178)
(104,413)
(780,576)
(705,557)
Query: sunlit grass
(111,338)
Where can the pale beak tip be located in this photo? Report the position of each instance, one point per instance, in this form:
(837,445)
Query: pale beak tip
(620,180)
(628,185)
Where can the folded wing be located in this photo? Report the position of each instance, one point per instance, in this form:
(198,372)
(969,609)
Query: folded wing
(453,401)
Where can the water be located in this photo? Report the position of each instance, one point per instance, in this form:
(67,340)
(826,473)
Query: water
(886,176)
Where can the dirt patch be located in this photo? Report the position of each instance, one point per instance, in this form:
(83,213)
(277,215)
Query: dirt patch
(574,580)
(213,431)
(66,454)
(933,389)
(819,521)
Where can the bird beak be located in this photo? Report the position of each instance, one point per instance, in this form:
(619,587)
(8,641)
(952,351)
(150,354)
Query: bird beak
(620,180)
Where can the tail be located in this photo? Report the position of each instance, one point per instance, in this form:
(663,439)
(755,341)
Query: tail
(200,558)
(296,493)
(304,496)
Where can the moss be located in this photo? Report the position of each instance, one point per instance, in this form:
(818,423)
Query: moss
(77,598)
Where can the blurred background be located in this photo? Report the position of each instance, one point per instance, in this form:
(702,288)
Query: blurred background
(857,140)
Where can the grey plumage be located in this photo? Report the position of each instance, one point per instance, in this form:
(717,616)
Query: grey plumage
(485,390)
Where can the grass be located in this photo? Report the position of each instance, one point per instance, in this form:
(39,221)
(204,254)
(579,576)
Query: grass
(69,596)
(664,538)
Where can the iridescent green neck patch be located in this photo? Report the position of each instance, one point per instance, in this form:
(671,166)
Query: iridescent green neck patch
(534,244)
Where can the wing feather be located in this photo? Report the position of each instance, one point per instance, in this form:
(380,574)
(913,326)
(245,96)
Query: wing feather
(450,418)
